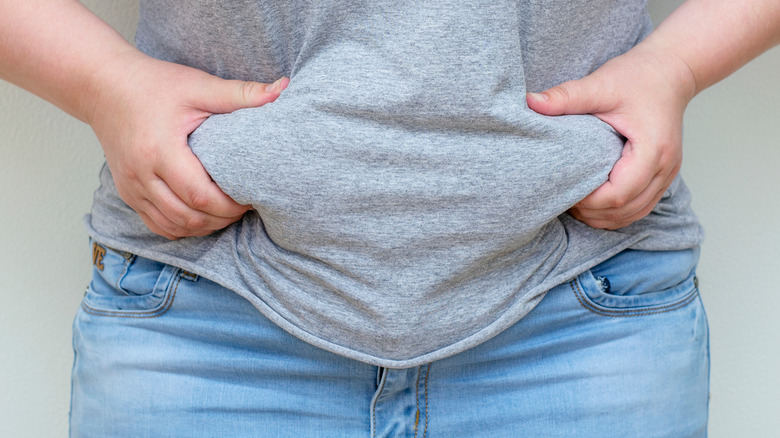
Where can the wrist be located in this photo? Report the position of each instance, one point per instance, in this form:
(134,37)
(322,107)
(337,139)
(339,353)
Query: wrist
(675,70)
(107,80)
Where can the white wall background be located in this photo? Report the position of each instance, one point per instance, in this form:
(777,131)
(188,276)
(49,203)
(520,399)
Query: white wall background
(48,170)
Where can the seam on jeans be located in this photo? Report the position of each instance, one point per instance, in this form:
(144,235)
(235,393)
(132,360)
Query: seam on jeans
(127,255)
(130,257)
(427,373)
(417,400)
(166,305)
(580,294)
(125,266)
(376,398)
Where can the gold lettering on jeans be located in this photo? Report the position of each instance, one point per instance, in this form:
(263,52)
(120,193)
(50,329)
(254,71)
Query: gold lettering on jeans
(97,255)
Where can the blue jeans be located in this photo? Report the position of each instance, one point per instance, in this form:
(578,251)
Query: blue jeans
(619,351)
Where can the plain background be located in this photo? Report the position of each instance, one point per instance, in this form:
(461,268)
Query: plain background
(48,170)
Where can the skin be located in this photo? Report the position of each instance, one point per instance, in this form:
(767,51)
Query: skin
(643,95)
(142,109)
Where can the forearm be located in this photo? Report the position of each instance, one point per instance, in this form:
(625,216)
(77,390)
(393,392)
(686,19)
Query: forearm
(60,51)
(714,38)
(643,94)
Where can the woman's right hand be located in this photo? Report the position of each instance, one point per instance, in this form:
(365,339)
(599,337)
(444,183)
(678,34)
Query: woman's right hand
(143,111)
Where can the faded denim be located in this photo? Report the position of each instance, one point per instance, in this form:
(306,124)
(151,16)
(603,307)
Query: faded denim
(619,351)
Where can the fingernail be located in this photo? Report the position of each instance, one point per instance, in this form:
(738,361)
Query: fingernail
(276,86)
(539,97)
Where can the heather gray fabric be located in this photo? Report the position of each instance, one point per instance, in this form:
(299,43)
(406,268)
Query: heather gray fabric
(407,203)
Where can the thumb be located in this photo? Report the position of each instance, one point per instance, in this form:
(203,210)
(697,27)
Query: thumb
(226,96)
(573,97)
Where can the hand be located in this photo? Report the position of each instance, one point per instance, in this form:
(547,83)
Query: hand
(143,112)
(642,95)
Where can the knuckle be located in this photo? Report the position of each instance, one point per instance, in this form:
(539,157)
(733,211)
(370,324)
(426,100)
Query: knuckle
(124,175)
(670,153)
(249,90)
(149,153)
(620,200)
(197,222)
(198,200)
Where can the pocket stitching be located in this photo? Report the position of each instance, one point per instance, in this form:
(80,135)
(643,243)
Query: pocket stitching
(152,313)
(592,307)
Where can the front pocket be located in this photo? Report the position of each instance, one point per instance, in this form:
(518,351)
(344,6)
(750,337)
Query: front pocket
(636,283)
(125,285)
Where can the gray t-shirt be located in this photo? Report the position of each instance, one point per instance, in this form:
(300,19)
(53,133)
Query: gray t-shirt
(407,203)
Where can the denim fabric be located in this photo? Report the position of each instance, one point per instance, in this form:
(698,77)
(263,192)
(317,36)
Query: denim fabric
(621,350)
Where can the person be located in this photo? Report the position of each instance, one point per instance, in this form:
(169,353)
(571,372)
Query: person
(395,204)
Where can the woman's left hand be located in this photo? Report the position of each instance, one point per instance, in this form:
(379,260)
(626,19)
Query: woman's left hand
(642,94)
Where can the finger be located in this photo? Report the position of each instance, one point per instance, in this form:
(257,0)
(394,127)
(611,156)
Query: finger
(152,225)
(641,206)
(657,187)
(149,195)
(161,222)
(631,175)
(598,219)
(180,214)
(164,226)
(225,96)
(190,183)
(635,186)
(583,96)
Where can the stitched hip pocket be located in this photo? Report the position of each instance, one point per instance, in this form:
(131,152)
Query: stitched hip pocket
(635,283)
(126,285)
